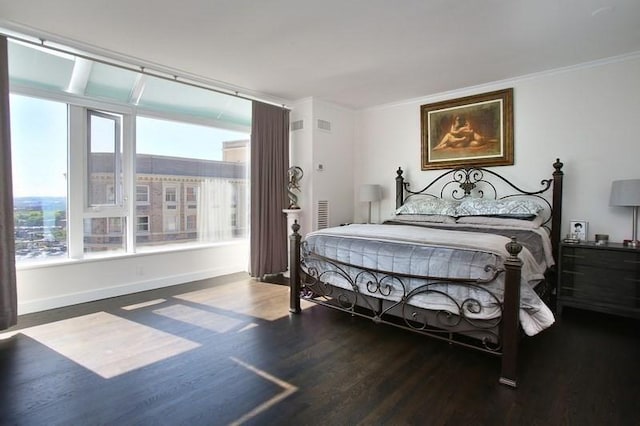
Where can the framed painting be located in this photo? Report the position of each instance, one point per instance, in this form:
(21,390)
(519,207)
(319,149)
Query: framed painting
(475,131)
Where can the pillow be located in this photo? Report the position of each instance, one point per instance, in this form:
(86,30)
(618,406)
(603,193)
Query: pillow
(428,205)
(502,221)
(514,208)
(431,218)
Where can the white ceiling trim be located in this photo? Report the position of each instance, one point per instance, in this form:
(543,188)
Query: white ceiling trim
(506,82)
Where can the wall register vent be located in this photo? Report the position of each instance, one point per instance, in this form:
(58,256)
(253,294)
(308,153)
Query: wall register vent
(323,214)
(297,125)
(324,125)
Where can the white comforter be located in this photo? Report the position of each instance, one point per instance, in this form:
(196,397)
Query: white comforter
(435,252)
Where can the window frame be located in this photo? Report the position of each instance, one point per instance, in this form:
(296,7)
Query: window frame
(148,224)
(175,196)
(116,186)
(77,173)
(145,202)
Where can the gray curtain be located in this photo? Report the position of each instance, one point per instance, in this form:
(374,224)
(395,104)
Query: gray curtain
(269,164)
(8,294)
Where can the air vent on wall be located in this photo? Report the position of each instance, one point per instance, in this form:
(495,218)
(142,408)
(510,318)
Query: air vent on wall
(297,125)
(324,125)
(323,214)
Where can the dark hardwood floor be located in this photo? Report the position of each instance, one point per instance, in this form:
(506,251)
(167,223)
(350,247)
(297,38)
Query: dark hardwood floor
(198,354)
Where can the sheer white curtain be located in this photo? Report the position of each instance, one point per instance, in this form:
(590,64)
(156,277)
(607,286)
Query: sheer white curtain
(8,291)
(215,210)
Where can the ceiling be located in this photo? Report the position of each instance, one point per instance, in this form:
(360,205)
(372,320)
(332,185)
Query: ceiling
(355,53)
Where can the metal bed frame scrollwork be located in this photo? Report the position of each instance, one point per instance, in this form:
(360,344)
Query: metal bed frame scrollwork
(370,288)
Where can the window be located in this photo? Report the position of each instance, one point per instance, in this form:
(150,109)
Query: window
(191,202)
(171,225)
(171,206)
(103,235)
(196,177)
(142,194)
(39,160)
(142,223)
(104,159)
(191,197)
(170,195)
(80,186)
(104,205)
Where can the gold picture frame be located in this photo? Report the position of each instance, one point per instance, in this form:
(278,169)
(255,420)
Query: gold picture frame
(471,131)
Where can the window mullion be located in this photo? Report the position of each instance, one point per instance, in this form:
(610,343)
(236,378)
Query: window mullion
(129,180)
(77,170)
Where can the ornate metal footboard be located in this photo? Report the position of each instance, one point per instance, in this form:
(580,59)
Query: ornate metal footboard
(386,297)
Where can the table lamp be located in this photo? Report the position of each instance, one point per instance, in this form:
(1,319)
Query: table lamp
(370,193)
(626,193)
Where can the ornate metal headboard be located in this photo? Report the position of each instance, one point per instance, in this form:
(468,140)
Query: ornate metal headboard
(480,182)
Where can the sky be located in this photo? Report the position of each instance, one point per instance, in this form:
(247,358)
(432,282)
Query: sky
(174,139)
(38,147)
(39,144)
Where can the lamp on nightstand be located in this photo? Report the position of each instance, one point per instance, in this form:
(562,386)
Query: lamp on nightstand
(626,193)
(370,193)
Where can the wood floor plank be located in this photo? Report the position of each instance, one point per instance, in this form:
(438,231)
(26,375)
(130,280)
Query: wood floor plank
(248,361)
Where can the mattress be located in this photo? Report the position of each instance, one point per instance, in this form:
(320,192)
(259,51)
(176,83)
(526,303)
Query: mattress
(424,251)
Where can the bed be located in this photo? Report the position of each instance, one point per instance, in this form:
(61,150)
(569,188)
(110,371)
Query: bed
(469,259)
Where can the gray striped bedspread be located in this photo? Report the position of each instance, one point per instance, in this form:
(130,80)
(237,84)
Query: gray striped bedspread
(425,251)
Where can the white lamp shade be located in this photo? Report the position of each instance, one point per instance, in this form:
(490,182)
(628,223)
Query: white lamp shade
(370,192)
(625,193)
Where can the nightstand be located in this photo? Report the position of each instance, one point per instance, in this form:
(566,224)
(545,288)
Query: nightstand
(604,278)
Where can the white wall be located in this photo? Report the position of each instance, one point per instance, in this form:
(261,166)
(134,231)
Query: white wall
(587,116)
(334,150)
(48,286)
(301,155)
(311,147)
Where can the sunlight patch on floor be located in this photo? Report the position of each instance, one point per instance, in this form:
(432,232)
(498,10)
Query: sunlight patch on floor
(9,334)
(201,318)
(248,297)
(144,304)
(287,389)
(107,344)
(248,327)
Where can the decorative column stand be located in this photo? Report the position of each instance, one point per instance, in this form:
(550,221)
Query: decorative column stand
(294,174)
(293,215)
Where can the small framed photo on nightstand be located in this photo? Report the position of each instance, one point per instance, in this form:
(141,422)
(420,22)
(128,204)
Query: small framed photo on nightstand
(578,230)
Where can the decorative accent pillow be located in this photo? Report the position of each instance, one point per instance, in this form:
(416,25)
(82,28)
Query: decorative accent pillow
(515,208)
(428,205)
(430,218)
(527,222)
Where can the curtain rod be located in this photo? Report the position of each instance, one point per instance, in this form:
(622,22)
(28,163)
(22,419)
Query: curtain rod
(137,68)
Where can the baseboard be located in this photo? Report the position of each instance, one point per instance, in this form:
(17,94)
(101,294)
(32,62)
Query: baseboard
(134,287)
